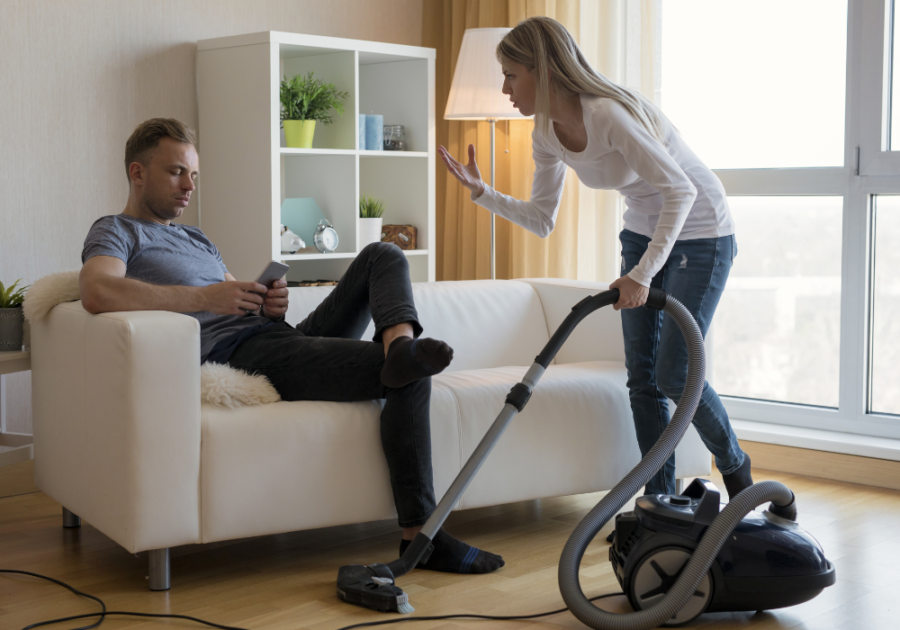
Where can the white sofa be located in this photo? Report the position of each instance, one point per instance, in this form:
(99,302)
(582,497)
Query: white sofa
(122,440)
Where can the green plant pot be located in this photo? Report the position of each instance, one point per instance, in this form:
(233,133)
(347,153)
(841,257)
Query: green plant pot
(12,322)
(298,134)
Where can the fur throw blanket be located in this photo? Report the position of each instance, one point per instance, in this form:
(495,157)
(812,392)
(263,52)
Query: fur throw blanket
(219,384)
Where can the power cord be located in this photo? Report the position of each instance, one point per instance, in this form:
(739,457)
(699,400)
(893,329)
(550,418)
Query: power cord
(468,616)
(106,613)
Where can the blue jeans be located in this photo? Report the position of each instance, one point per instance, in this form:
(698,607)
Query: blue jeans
(656,355)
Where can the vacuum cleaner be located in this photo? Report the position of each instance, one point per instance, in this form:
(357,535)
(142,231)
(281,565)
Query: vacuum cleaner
(676,556)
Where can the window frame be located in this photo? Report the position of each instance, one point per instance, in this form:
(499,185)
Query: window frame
(869,169)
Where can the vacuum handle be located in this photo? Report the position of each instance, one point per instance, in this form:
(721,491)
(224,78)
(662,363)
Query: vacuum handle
(708,498)
(657,299)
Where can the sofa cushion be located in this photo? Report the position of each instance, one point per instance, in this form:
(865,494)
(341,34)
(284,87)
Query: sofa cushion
(297,465)
(574,436)
(487,323)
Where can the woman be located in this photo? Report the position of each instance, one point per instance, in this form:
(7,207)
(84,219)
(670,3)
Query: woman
(678,232)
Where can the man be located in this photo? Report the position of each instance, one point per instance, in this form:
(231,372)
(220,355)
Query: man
(140,260)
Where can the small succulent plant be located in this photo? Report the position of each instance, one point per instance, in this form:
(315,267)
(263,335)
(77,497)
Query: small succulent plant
(370,208)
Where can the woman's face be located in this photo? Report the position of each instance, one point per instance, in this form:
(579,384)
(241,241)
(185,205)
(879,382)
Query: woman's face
(518,83)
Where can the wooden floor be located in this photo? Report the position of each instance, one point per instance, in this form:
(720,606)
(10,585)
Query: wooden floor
(288,581)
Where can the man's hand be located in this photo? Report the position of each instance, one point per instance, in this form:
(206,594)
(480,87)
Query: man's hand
(631,293)
(276,302)
(232,297)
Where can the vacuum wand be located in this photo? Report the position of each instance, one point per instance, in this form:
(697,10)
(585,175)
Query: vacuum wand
(373,586)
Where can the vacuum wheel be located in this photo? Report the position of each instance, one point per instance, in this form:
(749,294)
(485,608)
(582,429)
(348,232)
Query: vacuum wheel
(656,574)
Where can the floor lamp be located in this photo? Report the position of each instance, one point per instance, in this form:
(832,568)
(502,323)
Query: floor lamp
(475,93)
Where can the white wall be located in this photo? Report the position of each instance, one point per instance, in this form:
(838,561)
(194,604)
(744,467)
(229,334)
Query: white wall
(76,77)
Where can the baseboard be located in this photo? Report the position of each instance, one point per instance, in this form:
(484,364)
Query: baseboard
(869,471)
(17,479)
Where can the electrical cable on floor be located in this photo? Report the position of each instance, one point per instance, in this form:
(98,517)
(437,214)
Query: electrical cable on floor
(106,613)
(368,624)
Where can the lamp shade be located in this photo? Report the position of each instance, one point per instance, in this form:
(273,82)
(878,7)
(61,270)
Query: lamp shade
(475,93)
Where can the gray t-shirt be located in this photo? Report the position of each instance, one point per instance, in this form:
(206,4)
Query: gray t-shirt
(169,255)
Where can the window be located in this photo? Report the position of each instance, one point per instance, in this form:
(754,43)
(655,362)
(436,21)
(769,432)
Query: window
(791,104)
(777,328)
(885,364)
(757,84)
(894,52)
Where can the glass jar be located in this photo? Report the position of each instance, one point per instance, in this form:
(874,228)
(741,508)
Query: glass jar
(394,138)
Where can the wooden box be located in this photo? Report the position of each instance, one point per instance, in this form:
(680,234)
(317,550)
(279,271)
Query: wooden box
(403,236)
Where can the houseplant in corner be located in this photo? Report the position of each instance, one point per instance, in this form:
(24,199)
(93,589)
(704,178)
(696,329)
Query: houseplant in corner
(370,211)
(305,100)
(11,317)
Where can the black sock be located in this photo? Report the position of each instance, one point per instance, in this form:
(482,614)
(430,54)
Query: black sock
(739,480)
(410,359)
(454,556)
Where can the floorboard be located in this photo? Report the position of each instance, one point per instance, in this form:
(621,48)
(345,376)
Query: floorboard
(287,581)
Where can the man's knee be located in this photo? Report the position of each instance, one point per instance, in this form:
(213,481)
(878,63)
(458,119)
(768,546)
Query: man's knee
(376,250)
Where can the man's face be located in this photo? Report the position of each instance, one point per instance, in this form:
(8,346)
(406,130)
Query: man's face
(164,186)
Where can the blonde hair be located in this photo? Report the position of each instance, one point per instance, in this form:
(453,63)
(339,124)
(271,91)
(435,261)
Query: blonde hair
(147,135)
(549,51)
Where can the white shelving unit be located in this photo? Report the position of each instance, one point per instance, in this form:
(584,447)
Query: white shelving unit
(247,172)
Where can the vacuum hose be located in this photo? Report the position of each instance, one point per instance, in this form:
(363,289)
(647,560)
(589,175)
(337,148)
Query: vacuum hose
(715,536)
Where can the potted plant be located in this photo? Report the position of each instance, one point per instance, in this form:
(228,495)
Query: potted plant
(370,211)
(305,100)
(12,319)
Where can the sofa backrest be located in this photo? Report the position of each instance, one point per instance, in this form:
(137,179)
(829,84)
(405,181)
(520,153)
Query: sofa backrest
(488,323)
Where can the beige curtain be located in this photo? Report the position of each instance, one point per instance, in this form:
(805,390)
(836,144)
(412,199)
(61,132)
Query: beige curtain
(618,39)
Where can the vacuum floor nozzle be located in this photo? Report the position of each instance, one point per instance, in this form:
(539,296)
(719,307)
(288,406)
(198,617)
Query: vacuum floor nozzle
(372,587)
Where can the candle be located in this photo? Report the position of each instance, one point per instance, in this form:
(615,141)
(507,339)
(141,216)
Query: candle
(374,132)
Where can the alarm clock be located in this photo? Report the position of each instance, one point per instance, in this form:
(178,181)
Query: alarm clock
(325,238)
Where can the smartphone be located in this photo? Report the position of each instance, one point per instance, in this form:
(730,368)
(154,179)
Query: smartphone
(274,271)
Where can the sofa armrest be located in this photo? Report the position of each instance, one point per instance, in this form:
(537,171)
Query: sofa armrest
(598,337)
(116,401)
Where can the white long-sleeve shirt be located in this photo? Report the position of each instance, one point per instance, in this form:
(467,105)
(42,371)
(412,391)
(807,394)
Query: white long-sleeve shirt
(669,193)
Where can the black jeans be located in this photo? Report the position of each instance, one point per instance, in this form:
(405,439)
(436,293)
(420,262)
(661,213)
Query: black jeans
(324,359)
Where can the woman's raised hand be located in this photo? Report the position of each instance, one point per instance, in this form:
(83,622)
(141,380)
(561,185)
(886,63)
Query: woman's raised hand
(468,175)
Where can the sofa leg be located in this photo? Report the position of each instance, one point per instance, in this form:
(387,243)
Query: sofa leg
(70,521)
(679,486)
(160,578)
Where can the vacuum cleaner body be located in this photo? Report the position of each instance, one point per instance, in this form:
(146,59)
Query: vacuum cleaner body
(768,561)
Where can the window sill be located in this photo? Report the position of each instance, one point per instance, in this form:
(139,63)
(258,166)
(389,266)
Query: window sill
(817,439)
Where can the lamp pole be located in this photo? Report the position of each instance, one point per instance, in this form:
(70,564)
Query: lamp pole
(493,122)
(476,93)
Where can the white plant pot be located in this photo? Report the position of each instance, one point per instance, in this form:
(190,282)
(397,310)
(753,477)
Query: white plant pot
(369,231)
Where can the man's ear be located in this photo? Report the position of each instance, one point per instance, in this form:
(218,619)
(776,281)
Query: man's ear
(136,173)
